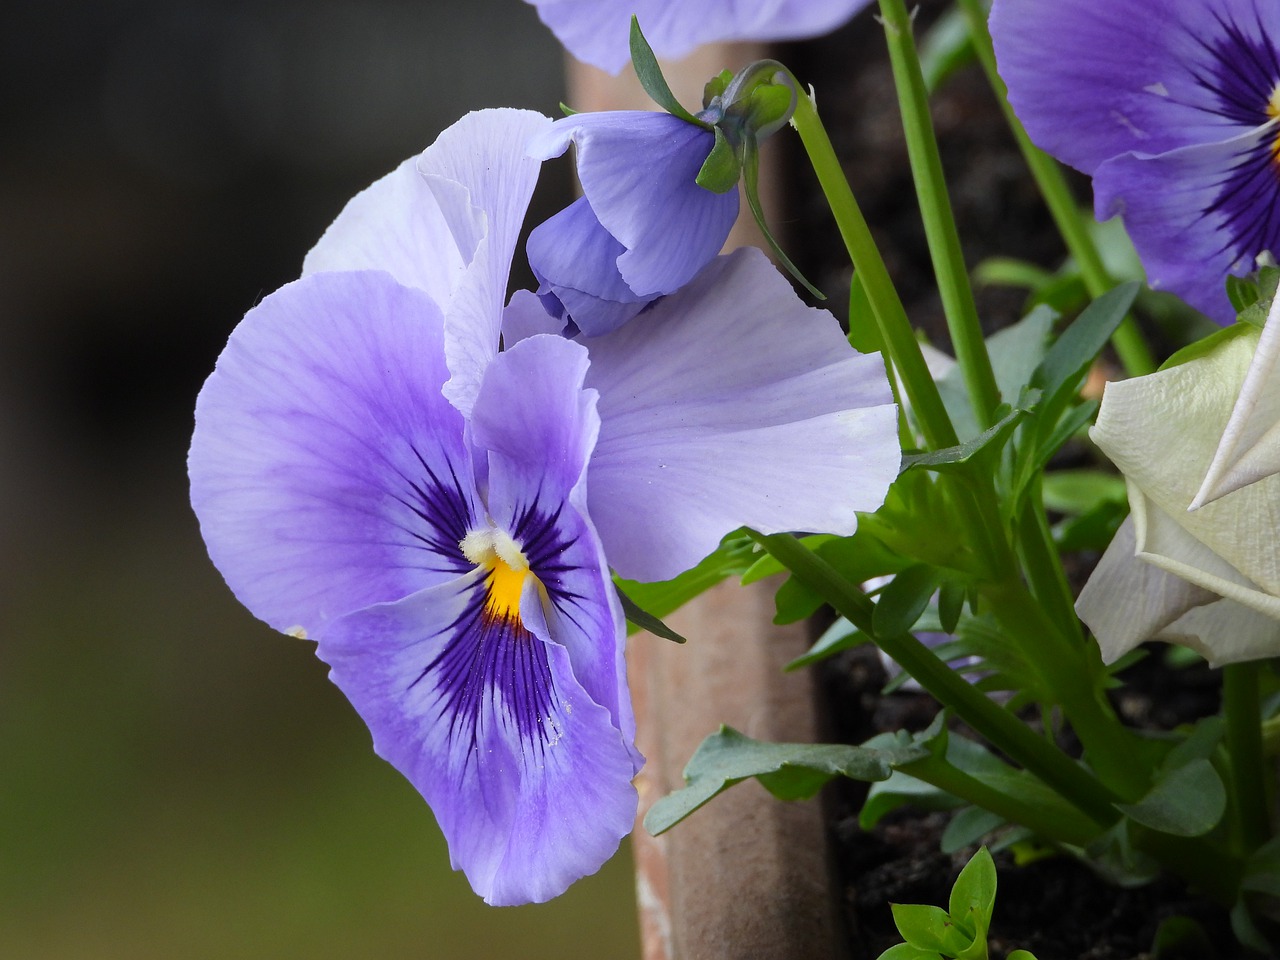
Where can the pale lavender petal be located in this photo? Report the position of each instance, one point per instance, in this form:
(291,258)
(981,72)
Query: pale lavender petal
(732,404)
(1197,214)
(484,153)
(395,225)
(528,777)
(576,262)
(638,171)
(1092,80)
(327,471)
(540,426)
(597,31)
(526,316)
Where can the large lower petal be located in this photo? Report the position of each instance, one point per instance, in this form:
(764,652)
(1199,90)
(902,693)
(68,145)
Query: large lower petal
(638,171)
(540,425)
(1198,214)
(528,777)
(327,471)
(732,404)
(1093,80)
(597,31)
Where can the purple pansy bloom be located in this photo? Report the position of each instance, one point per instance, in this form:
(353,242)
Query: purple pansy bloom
(1172,108)
(371,472)
(597,31)
(642,229)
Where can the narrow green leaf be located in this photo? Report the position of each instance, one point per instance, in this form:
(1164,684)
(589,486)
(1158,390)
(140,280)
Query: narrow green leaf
(788,770)
(1069,358)
(645,620)
(1188,802)
(950,458)
(734,555)
(968,826)
(567,110)
(974,893)
(720,170)
(945,48)
(903,600)
(950,604)
(841,635)
(651,78)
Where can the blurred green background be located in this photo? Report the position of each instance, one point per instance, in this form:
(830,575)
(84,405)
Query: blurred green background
(176,780)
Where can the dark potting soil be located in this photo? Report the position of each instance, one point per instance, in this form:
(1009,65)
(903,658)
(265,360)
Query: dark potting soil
(1057,908)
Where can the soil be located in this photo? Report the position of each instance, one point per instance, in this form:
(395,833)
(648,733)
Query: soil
(1057,908)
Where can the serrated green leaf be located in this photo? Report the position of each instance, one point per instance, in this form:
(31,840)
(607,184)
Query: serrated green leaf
(1188,802)
(652,80)
(788,770)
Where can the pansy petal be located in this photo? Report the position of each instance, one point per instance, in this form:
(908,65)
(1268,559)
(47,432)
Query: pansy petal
(1094,80)
(576,260)
(598,31)
(526,316)
(638,171)
(327,471)
(540,427)
(485,154)
(1162,431)
(395,225)
(1197,214)
(1249,450)
(527,776)
(1127,601)
(732,404)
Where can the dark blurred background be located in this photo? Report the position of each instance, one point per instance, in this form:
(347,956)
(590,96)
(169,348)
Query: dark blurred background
(176,780)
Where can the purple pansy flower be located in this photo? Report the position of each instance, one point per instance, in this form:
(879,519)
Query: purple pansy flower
(1172,109)
(643,227)
(596,31)
(371,472)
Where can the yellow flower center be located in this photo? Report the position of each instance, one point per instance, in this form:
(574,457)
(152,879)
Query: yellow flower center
(497,552)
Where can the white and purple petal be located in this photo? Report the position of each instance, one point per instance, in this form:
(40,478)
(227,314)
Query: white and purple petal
(528,777)
(598,31)
(1093,80)
(1198,213)
(327,471)
(732,404)
(540,426)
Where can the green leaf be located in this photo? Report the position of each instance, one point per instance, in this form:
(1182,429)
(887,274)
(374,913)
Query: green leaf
(721,169)
(1241,292)
(795,601)
(841,635)
(734,555)
(945,48)
(790,771)
(567,110)
(950,604)
(716,86)
(927,927)
(968,826)
(973,896)
(1068,360)
(1010,272)
(951,458)
(1262,869)
(1079,491)
(651,78)
(905,951)
(1188,802)
(1181,938)
(645,620)
(903,600)
(1206,345)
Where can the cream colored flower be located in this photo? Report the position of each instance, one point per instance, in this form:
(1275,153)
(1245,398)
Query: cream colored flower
(1197,561)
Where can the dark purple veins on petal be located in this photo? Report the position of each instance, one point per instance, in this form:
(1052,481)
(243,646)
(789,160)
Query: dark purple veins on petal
(446,512)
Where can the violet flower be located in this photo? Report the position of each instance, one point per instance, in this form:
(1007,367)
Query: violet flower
(643,227)
(369,471)
(596,31)
(1172,109)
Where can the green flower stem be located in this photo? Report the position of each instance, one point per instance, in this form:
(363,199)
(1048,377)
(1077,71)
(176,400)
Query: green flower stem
(1078,831)
(1243,710)
(1044,566)
(1127,340)
(935,210)
(891,319)
(1070,678)
(1070,780)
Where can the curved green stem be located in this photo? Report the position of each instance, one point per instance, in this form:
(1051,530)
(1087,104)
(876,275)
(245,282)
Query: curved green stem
(935,211)
(1127,340)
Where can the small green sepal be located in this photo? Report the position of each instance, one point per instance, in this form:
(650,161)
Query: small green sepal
(651,78)
(721,170)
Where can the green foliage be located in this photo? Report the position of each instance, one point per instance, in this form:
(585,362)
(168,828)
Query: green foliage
(958,932)
(644,620)
(652,80)
(734,556)
(790,771)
